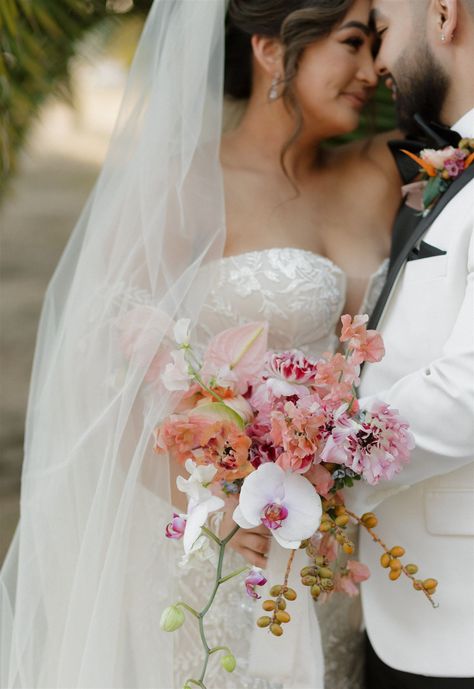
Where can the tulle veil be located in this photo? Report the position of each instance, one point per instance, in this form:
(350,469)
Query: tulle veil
(89,572)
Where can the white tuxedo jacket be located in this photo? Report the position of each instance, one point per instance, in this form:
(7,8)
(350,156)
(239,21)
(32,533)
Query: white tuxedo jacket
(428,374)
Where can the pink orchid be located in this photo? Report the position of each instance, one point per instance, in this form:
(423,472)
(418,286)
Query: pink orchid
(175,529)
(254,578)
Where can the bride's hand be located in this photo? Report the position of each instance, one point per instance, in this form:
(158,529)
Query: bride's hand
(252,544)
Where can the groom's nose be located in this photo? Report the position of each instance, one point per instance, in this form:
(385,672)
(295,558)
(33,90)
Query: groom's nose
(380,66)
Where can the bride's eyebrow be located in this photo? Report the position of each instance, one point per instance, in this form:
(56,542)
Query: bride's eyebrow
(356,25)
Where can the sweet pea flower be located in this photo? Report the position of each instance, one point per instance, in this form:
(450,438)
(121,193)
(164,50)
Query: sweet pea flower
(181,332)
(176,375)
(175,529)
(254,578)
(284,501)
(353,328)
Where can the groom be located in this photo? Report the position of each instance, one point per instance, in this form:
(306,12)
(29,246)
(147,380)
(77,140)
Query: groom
(426,316)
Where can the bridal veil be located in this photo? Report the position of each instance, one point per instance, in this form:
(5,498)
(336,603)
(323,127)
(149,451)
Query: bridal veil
(89,570)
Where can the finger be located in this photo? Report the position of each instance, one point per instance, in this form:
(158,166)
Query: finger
(260,544)
(256,559)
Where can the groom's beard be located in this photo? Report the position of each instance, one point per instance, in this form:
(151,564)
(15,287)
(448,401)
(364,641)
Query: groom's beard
(422,87)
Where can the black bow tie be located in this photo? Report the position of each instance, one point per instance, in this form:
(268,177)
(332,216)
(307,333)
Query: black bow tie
(437,136)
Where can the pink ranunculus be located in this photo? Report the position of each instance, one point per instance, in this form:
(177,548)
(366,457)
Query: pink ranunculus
(254,578)
(175,529)
(321,479)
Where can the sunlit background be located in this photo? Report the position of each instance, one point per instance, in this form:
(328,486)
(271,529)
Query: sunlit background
(42,198)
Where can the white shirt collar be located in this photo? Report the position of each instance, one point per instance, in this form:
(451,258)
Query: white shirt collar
(465,126)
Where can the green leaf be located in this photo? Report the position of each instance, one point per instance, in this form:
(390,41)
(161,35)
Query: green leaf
(435,187)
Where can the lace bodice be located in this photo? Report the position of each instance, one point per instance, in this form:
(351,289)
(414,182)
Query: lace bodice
(301,295)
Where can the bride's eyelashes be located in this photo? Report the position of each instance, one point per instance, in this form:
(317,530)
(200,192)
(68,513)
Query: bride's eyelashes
(354,42)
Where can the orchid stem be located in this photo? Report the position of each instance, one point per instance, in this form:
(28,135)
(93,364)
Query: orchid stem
(188,608)
(233,574)
(218,581)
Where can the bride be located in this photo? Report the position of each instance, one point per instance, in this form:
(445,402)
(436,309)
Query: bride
(265,223)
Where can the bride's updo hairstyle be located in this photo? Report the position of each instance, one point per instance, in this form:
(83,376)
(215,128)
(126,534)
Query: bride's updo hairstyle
(296,23)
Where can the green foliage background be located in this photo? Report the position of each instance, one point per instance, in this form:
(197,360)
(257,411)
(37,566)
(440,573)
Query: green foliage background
(38,38)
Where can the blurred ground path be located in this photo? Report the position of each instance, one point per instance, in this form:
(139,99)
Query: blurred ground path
(56,173)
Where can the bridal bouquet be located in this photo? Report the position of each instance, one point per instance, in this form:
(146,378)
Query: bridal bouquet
(285,434)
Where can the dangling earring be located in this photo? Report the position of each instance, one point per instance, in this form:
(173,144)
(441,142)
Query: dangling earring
(273,92)
(443,37)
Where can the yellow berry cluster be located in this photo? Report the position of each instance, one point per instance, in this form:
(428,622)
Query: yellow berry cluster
(318,576)
(280,616)
(335,520)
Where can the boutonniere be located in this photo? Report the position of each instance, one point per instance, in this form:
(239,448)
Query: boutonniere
(438,170)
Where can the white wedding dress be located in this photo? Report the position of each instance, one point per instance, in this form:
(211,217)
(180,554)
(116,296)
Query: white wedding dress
(301,295)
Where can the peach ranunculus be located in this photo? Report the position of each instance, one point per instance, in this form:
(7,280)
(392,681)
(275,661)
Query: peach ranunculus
(227,448)
(180,435)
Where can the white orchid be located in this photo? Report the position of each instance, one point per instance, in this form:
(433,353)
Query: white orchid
(176,375)
(201,501)
(285,502)
(201,551)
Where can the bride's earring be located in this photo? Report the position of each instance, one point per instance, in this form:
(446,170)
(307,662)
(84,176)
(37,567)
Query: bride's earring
(273,92)
(443,37)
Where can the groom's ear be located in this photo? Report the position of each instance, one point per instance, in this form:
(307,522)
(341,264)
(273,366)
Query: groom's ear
(446,18)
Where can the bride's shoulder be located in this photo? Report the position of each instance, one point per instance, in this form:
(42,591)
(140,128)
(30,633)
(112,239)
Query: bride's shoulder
(374,154)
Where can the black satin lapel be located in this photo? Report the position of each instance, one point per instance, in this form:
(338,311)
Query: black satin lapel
(404,227)
(417,234)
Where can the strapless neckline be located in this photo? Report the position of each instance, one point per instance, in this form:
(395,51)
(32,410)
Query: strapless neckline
(286,249)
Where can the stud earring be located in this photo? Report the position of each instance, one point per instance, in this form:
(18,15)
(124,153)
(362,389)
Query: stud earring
(273,92)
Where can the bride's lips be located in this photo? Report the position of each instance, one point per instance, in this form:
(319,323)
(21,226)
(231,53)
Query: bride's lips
(358,99)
